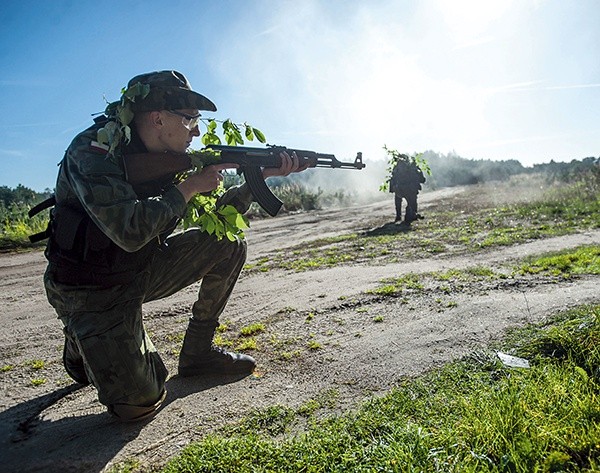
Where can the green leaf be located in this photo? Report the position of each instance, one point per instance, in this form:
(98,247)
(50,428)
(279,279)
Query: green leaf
(145,90)
(102,136)
(111,129)
(138,89)
(230,221)
(127,131)
(209,222)
(230,236)
(249,133)
(238,138)
(210,225)
(210,139)
(125,115)
(259,135)
(227,210)
(241,222)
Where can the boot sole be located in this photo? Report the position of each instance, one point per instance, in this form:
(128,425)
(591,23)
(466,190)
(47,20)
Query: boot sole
(188,372)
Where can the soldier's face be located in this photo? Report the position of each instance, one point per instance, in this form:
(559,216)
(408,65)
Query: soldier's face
(175,135)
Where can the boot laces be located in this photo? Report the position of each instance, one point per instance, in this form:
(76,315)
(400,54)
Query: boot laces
(219,351)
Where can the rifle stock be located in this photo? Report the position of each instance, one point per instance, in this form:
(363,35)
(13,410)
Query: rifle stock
(148,173)
(149,167)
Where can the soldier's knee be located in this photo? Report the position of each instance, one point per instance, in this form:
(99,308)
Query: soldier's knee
(135,413)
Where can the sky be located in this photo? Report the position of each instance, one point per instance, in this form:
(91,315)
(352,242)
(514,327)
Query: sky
(487,79)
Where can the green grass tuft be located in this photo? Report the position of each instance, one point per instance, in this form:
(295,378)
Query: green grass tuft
(582,260)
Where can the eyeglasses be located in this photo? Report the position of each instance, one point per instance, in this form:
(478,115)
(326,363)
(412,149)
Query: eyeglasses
(188,121)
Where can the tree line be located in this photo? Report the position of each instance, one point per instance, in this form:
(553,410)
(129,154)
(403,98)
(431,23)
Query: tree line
(451,170)
(21,196)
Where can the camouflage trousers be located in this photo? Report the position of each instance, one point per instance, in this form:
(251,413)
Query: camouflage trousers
(105,326)
(411,205)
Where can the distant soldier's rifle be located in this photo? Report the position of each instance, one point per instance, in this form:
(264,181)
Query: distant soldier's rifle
(147,172)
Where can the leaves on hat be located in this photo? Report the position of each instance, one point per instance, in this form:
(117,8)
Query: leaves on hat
(136,90)
(117,130)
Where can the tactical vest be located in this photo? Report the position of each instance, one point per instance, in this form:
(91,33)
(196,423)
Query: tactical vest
(81,254)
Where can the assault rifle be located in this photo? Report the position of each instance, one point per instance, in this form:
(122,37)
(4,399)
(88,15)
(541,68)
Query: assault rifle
(147,171)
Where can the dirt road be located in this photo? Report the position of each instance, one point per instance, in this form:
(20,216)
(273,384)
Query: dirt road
(324,336)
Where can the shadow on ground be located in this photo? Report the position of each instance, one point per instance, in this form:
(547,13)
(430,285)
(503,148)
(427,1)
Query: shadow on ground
(390,228)
(31,442)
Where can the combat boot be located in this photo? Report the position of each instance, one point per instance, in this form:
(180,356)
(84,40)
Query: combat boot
(200,357)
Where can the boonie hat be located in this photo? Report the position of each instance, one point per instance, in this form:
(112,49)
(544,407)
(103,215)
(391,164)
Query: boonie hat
(169,90)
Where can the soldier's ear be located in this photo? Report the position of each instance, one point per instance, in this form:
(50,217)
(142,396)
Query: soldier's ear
(155,119)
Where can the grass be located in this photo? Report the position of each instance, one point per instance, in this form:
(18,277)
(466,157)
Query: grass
(441,286)
(252,329)
(16,226)
(37,364)
(551,267)
(446,282)
(584,260)
(475,415)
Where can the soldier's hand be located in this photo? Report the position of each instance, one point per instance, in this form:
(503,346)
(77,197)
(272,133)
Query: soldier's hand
(289,164)
(207,180)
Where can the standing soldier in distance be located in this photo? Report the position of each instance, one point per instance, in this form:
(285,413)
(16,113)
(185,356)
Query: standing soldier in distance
(405,183)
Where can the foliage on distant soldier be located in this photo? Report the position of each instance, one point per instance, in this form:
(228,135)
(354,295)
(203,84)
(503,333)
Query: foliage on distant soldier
(202,211)
(394,157)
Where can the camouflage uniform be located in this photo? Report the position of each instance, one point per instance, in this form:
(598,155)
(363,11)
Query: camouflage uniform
(405,184)
(109,252)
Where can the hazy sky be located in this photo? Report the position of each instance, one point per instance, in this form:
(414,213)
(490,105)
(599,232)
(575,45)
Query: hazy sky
(484,79)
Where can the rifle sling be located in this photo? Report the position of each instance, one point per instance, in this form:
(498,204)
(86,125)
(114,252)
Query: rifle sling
(45,204)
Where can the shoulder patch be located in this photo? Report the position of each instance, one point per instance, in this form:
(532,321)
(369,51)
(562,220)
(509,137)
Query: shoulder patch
(98,147)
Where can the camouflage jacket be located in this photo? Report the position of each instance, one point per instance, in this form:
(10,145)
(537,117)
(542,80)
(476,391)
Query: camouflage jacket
(406,177)
(101,229)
